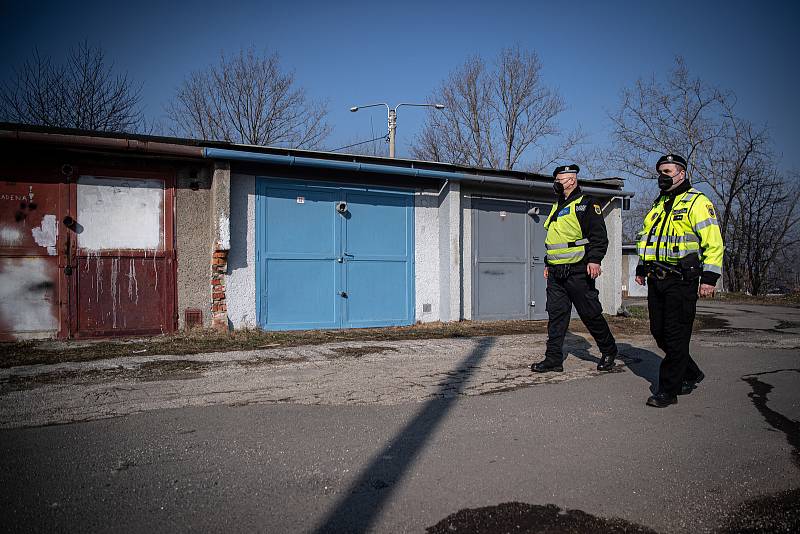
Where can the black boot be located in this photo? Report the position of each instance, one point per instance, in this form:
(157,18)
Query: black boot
(662,400)
(606,362)
(687,386)
(547,367)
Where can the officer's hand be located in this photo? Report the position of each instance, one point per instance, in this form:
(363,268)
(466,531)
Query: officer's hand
(545,272)
(640,280)
(706,290)
(593,270)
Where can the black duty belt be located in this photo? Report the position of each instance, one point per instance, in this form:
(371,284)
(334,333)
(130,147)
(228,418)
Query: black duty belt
(662,271)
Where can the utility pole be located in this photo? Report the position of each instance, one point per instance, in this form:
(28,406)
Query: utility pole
(392,117)
(392,130)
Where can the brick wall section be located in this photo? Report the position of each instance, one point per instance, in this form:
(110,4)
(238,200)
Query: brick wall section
(219,307)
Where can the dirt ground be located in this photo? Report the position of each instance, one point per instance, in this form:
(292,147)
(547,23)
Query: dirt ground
(204,341)
(791,300)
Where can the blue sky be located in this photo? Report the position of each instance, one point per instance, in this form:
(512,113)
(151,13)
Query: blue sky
(350,53)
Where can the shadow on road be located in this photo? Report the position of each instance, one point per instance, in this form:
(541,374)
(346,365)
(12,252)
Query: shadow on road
(578,347)
(366,497)
(642,362)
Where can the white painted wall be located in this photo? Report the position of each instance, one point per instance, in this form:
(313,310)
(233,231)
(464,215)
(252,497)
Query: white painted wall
(120,213)
(634,289)
(466,259)
(609,284)
(241,277)
(451,289)
(426,254)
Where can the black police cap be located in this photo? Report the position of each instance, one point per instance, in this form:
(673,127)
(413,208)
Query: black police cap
(566,168)
(671,158)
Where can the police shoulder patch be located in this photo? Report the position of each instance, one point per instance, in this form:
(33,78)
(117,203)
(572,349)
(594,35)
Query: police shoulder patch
(597,208)
(710,208)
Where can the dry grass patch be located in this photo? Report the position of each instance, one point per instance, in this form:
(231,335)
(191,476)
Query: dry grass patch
(208,341)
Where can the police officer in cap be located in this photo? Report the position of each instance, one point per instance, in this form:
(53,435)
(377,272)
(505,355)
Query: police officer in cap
(576,243)
(680,258)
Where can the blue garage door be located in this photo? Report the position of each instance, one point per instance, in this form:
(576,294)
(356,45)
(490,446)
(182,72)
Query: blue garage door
(320,267)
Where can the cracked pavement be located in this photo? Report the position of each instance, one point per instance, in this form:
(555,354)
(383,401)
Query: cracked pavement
(387,373)
(402,436)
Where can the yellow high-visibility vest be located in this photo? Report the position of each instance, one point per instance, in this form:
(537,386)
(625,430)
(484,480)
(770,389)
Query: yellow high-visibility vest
(690,227)
(564,242)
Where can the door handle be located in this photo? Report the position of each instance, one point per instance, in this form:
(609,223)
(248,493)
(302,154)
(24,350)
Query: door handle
(343,294)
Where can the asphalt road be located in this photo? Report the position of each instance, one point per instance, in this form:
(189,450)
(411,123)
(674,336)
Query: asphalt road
(588,445)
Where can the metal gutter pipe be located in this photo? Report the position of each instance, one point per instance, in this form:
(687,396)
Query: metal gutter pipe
(110,143)
(354,166)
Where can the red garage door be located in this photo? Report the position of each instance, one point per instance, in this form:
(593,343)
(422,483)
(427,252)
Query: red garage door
(32,288)
(89,254)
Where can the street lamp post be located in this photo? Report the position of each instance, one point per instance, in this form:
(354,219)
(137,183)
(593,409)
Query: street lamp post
(392,118)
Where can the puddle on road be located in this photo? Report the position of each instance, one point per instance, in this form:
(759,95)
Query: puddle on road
(778,512)
(525,518)
(760,397)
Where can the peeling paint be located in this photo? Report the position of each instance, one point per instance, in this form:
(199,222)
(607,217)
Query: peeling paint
(114,291)
(98,274)
(133,284)
(46,235)
(28,296)
(224,233)
(10,237)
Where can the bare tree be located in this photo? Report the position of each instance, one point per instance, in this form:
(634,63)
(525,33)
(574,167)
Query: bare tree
(248,99)
(728,156)
(495,117)
(763,225)
(83,92)
(654,118)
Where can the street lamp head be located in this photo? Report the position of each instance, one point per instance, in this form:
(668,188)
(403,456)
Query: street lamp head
(439,106)
(354,108)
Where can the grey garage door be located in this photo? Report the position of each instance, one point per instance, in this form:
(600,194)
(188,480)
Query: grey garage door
(508,259)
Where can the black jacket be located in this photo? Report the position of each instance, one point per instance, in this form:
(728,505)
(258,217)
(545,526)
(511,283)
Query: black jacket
(593,226)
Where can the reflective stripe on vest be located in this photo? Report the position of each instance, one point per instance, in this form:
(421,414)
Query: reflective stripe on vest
(564,242)
(691,227)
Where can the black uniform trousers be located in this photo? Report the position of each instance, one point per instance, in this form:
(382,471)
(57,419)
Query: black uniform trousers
(578,289)
(672,304)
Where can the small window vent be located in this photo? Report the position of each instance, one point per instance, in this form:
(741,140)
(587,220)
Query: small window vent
(193,318)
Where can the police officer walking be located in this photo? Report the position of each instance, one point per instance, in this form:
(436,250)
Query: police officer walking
(576,243)
(679,247)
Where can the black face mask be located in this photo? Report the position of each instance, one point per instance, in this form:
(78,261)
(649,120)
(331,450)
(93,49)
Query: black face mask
(664,181)
(558,187)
